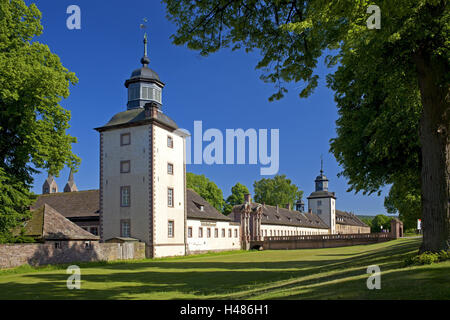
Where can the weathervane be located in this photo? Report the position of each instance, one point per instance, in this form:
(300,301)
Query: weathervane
(145,60)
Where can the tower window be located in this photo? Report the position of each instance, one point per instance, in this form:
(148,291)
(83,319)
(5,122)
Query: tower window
(170,168)
(125,166)
(169,141)
(319,211)
(171,226)
(133,93)
(125,139)
(170,197)
(125,229)
(319,202)
(158,95)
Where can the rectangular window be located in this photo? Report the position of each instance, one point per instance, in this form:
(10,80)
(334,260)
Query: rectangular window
(208,232)
(125,228)
(170,197)
(200,232)
(125,196)
(145,93)
(235,233)
(223,233)
(319,211)
(216,233)
(125,166)
(190,232)
(171,227)
(125,139)
(169,141)
(229,233)
(170,168)
(319,202)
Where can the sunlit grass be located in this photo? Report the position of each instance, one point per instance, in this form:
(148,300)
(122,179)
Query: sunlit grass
(337,273)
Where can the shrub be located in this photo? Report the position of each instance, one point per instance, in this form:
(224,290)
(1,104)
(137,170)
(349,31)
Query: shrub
(427,258)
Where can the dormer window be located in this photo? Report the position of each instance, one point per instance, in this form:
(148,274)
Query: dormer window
(202,208)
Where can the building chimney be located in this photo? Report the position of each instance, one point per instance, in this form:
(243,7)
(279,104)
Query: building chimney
(247,198)
(310,210)
(151,110)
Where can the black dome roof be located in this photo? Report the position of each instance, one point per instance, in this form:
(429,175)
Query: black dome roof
(321,177)
(145,73)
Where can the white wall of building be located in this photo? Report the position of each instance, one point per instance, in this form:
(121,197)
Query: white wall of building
(203,244)
(138,154)
(165,245)
(325,208)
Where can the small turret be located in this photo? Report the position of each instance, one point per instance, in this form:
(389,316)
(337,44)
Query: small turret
(49,185)
(70,185)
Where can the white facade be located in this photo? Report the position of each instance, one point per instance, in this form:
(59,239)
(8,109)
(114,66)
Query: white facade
(148,215)
(222,236)
(325,208)
(165,212)
(112,180)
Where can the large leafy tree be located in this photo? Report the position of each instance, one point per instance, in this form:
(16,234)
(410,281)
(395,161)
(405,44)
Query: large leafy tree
(405,63)
(32,123)
(205,188)
(237,196)
(276,191)
(404,199)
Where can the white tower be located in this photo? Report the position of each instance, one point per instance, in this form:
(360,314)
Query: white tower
(142,170)
(322,202)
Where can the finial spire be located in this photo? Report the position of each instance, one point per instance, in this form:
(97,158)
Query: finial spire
(145,60)
(321,164)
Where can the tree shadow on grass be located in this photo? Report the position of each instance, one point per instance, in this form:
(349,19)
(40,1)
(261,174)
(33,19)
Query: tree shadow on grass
(201,279)
(416,284)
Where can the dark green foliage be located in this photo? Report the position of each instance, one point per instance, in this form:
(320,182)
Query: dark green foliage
(276,191)
(380,222)
(238,191)
(205,188)
(427,258)
(32,123)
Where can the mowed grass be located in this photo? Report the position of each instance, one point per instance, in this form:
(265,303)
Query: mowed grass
(337,273)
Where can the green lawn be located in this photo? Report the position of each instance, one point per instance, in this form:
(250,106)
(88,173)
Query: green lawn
(338,273)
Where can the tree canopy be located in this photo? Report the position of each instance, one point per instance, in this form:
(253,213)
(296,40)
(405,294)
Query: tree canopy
(238,191)
(391,85)
(32,123)
(276,191)
(205,188)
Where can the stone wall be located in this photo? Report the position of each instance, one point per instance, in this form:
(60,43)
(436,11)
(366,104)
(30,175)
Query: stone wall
(321,241)
(35,254)
(349,229)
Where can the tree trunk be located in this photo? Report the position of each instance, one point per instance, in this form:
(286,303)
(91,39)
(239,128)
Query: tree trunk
(434,139)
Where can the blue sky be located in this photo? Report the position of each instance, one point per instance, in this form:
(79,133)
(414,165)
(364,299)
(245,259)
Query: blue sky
(223,91)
